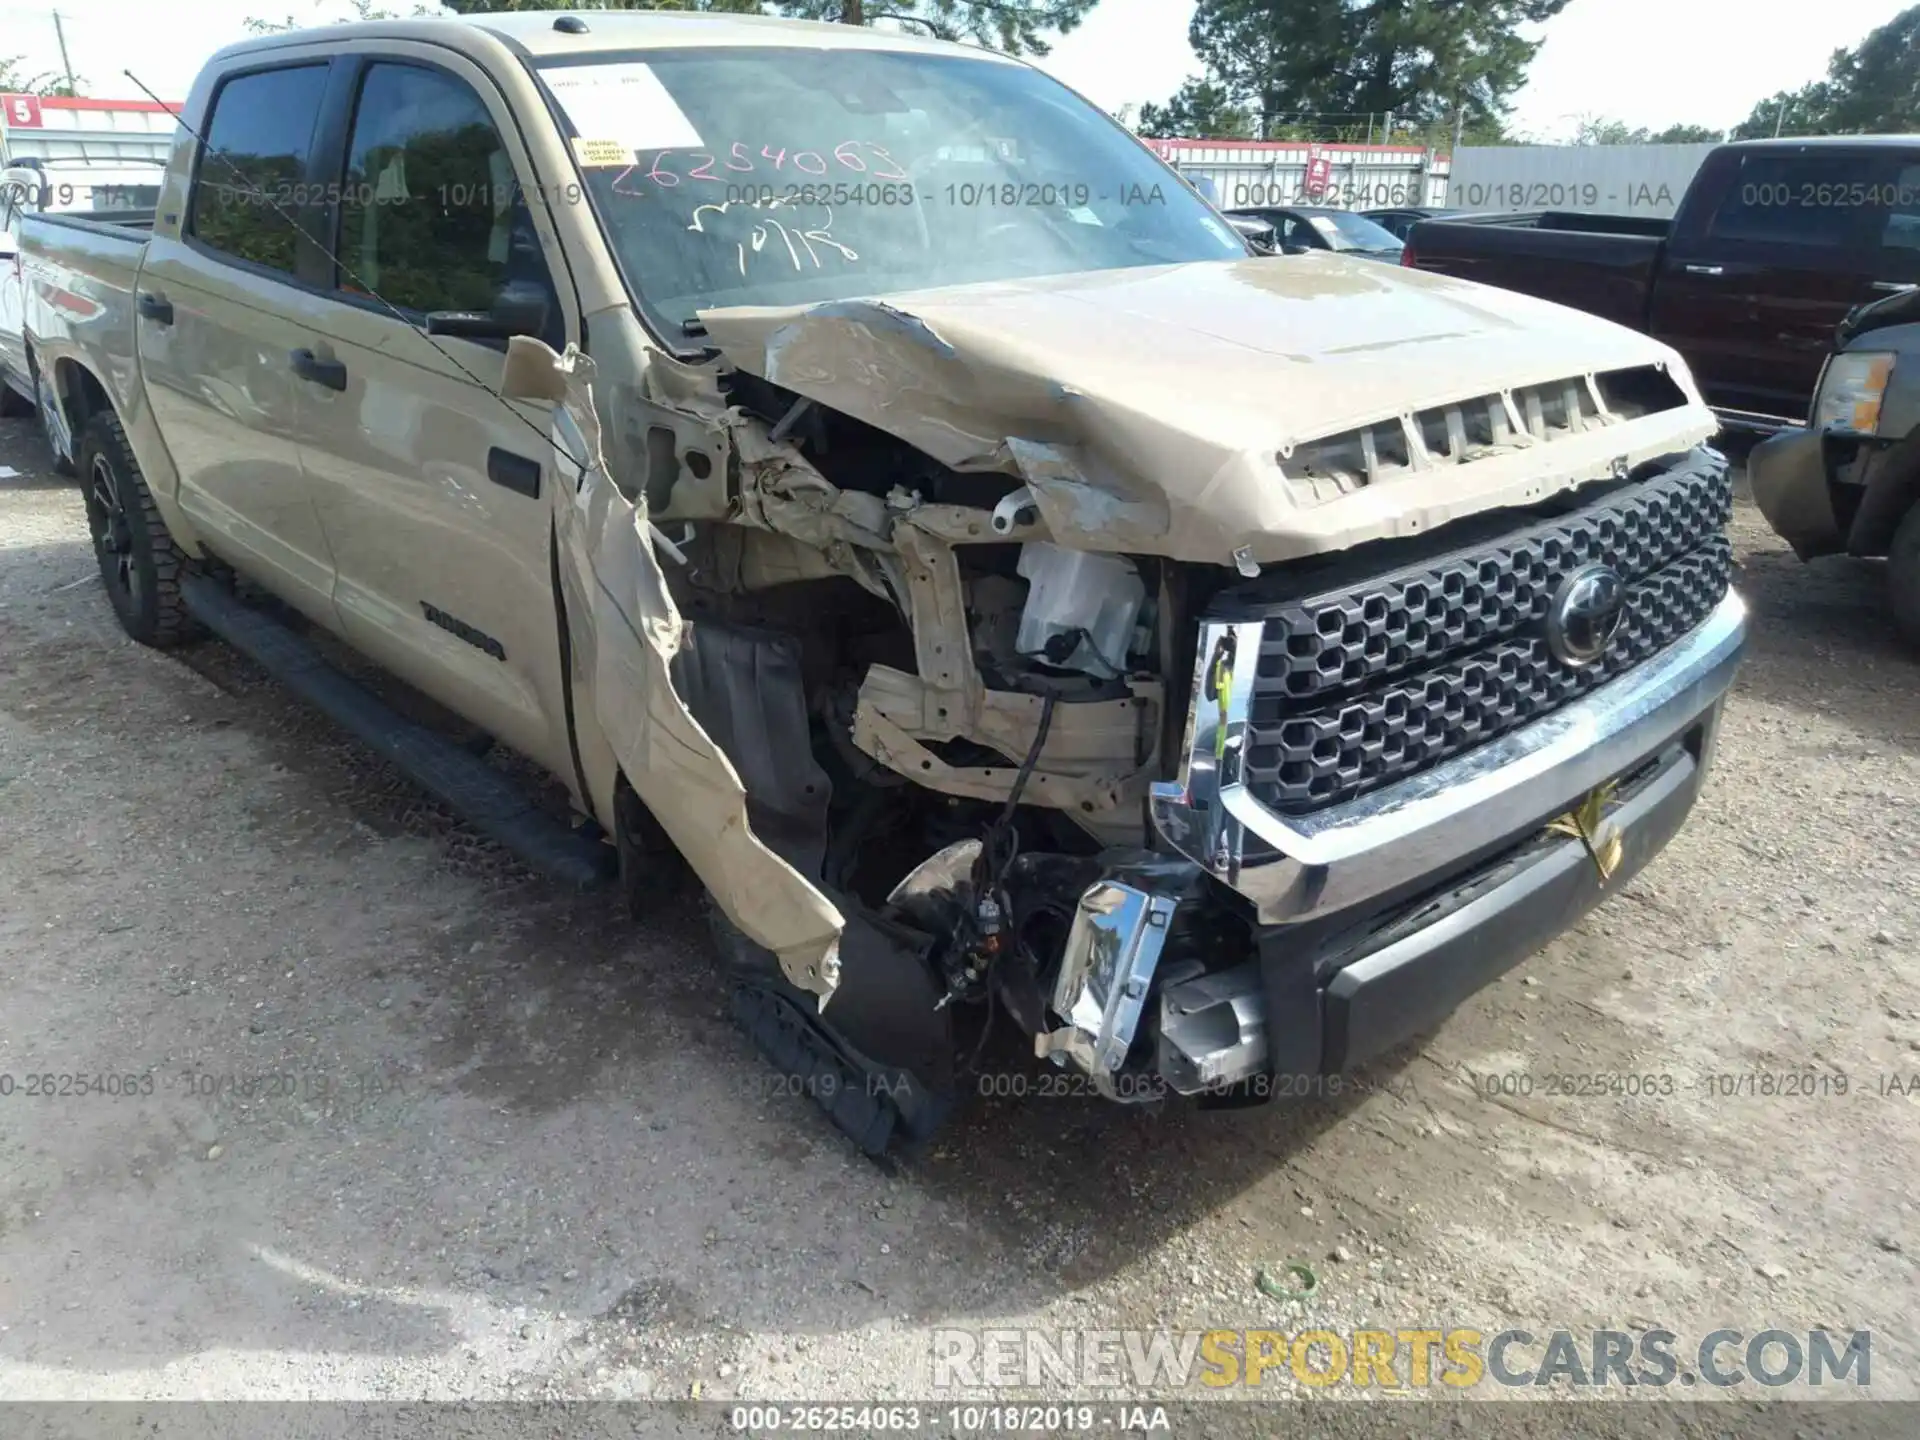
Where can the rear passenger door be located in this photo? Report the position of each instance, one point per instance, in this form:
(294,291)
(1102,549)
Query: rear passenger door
(434,491)
(216,329)
(1764,264)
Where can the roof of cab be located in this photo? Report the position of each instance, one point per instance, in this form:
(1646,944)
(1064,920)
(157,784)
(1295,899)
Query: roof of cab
(533,32)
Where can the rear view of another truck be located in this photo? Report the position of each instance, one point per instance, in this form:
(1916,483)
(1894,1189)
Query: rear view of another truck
(1773,244)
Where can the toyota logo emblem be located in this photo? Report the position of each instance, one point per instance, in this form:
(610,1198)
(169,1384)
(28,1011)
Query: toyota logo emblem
(1585,614)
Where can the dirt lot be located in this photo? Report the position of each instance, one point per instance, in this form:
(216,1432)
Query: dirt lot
(520,1152)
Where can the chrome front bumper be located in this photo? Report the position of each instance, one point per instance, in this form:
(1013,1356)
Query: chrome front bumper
(1305,866)
(1216,1027)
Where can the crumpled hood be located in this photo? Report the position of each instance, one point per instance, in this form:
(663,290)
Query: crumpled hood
(1148,407)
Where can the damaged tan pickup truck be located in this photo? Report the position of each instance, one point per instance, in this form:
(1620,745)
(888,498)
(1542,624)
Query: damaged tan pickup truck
(857,466)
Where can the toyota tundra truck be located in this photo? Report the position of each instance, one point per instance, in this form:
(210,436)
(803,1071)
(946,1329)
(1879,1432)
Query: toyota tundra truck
(868,481)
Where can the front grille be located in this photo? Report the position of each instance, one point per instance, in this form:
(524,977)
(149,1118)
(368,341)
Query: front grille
(1366,684)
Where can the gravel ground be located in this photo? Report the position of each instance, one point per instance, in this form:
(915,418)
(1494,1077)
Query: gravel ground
(519,1152)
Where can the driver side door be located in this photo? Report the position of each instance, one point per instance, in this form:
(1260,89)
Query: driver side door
(434,492)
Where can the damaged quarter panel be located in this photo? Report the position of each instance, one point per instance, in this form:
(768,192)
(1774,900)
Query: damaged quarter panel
(625,630)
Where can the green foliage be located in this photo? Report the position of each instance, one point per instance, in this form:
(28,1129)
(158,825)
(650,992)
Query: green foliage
(46,84)
(338,14)
(1598,130)
(1687,135)
(1314,64)
(1200,109)
(1018,27)
(1873,89)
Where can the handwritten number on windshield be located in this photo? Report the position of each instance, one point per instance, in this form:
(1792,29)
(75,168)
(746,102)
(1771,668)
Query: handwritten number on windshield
(765,227)
(895,174)
(847,152)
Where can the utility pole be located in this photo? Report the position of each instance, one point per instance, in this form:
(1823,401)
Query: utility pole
(1779,118)
(1459,121)
(65,64)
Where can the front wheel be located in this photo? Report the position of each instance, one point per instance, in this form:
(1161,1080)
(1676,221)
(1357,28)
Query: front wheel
(1903,575)
(139,562)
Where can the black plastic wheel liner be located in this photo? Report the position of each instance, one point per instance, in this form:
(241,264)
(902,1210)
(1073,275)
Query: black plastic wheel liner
(745,687)
(880,1060)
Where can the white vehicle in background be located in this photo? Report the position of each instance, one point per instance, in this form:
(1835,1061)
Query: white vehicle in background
(118,190)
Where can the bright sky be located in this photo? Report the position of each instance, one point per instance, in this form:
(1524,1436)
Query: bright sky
(1648,62)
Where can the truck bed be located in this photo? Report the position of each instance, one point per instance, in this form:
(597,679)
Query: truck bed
(80,270)
(1603,264)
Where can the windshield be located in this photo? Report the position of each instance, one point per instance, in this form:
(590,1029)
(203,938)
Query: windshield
(777,176)
(1346,231)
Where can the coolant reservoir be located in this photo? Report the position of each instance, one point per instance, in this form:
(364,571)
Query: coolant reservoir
(1080,609)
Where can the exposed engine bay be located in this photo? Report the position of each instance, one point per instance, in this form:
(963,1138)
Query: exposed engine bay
(986,712)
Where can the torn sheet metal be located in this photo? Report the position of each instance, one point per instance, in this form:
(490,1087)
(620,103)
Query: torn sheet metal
(1147,408)
(625,630)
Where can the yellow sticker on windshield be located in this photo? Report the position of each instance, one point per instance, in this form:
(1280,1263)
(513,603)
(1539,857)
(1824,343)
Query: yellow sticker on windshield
(602,152)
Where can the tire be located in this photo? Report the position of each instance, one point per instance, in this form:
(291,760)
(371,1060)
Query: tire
(48,397)
(139,563)
(1903,575)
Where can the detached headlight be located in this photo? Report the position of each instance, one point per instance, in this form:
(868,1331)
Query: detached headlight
(1850,391)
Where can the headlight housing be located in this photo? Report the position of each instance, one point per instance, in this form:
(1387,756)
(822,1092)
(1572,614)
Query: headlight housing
(1850,392)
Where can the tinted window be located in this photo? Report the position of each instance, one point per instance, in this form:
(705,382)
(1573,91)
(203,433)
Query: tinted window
(1805,199)
(255,158)
(1354,232)
(1900,230)
(430,215)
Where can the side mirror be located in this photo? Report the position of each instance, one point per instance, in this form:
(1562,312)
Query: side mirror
(521,308)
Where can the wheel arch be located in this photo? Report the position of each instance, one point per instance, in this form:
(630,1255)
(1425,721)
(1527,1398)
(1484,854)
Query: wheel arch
(83,393)
(1892,489)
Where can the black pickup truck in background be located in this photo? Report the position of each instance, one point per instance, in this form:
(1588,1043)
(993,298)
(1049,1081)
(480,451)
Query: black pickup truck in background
(1773,244)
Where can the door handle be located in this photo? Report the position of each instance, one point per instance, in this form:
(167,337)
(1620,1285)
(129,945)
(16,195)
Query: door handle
(156,308)
(516,472)
(1704,269)
(330,373)
(1894,287)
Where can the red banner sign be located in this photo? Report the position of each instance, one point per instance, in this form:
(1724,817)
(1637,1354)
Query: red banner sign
(22,111)
(1319,172)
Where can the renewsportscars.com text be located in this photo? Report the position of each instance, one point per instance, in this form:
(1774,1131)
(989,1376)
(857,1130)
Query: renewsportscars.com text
(1153,1362)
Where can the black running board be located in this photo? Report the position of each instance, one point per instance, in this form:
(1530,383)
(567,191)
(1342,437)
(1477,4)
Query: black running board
(471,788)
(878,1109)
